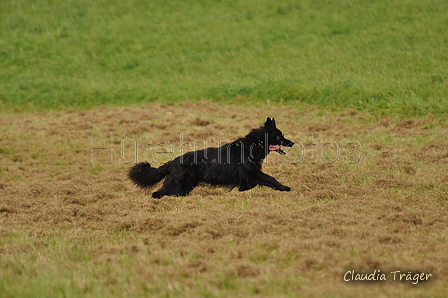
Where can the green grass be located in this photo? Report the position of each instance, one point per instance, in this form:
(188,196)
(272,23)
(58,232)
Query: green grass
(385,56)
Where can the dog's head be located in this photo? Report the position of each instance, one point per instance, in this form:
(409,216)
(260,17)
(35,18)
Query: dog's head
(276,139)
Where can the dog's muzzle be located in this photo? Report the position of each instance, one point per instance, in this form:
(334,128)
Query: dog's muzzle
(289,144)
(278,149)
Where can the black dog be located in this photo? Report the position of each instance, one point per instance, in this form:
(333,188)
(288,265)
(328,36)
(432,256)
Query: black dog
(236,164)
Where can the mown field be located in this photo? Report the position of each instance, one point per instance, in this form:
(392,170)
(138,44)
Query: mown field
(87,88)
(371,194)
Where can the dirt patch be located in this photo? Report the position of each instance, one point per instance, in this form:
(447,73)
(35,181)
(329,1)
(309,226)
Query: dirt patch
(200,122)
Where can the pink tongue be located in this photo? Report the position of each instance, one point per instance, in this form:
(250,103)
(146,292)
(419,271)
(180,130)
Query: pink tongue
(274,147)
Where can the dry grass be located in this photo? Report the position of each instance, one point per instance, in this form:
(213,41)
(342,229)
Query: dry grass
(70,228)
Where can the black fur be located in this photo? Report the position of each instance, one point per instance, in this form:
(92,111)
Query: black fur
(236,164)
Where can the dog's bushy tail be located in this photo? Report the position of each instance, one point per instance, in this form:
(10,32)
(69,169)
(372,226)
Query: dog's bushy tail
(145,176)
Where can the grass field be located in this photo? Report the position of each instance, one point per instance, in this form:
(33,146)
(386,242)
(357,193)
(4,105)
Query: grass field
(87,88)
(72,225)
(379,55)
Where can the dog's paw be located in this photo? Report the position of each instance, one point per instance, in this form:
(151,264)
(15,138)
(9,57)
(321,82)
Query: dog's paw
(284,188)
(157,195)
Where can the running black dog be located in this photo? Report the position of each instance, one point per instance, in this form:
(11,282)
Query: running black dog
(236,164)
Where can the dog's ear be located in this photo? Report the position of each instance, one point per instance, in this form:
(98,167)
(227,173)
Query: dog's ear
(273,123)
(268,123)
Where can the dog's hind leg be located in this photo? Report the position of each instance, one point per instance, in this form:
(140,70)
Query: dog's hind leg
(176,185)
(269,181)
(168,188)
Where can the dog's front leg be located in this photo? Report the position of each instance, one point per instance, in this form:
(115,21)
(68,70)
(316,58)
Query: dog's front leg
(267,180)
